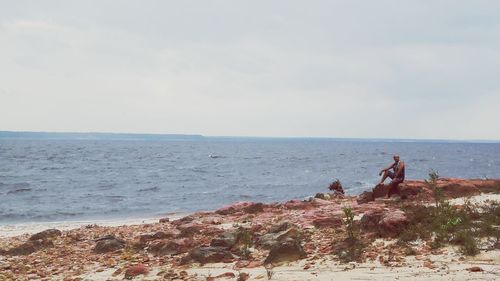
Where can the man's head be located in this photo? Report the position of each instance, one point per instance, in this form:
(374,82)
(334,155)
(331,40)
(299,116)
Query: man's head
(396,157)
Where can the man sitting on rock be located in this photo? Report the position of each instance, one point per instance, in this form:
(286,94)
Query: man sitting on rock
(397,175)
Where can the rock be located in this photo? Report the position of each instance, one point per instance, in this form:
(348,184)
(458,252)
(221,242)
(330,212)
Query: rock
(393,223)
(209,254)
(226,275)
(164,220)
(269,240)
(298,205)
(330,221)
(475,269)
(107,244)
(370,220)
(136,270)
(226,240)
(241,207)
(365,197)
(286,251)
(324,196)
(29,247)
(173,247)
(46,234)
(189,229)
(144,238)
(381,190)
(243,276)
(452,188)
(388,223)
(281,227)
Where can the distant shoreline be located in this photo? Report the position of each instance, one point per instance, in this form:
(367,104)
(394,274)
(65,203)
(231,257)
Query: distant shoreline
(39,135)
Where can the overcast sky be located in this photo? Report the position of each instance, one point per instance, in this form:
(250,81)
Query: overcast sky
(376,69)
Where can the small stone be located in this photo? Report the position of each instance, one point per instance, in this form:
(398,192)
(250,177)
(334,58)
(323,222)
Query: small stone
(475,269)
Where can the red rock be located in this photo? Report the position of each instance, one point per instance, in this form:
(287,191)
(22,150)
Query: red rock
(298,205)
(327,222)
(452,188)
(173,247)
(392,223)
(226,275)
(429,264)
(46,234)
(136,270)
(243,207)
(164,220)
(365,197)
(475,269)
(370,220)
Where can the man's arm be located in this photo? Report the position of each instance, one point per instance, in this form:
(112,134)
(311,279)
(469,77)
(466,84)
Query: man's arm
(390,167)
(400,168)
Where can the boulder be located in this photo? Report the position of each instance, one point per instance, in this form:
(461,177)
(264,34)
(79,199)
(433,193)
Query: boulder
(380,190)
(269,240)
(136,270)
(108,243)
(29,247)
(209,254)
(286,251)
(370,220)
(330,221)
(144,238)
(298,205)
(241,207)
(173,247)
(387,223)
(365,197)
(393,223)
(46,235)
(324,196)
(189,229)
(226,240)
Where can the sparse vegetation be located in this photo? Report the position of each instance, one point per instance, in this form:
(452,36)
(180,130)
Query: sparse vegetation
(443,223)
(352,247)
(269,271)
(244,242)
(349,222)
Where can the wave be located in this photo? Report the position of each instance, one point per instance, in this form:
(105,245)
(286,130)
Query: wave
(19,190)
(156,188)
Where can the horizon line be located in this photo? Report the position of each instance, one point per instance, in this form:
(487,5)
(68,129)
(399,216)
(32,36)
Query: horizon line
(260,137)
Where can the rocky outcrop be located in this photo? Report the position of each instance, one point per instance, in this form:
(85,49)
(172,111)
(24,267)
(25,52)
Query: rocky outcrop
(172,247)
(241,207)
(387,223)
(39,241)
(451,187)
(209,254)
(286,251)
(365,197)
(108,243)
(29,247)
(269,240)
(46,235)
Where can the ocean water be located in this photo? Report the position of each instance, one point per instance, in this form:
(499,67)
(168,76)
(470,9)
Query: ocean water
(59,180)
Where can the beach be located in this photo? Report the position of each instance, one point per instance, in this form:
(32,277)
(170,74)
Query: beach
(295,240)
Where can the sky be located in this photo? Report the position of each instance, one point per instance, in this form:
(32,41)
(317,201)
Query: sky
(425,69)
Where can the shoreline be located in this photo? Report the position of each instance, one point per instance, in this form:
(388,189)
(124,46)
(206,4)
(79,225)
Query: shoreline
(293,240)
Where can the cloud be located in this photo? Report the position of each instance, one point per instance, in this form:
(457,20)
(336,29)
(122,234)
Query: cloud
(327,68)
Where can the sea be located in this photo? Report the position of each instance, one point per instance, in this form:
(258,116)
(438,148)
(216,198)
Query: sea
(43,180)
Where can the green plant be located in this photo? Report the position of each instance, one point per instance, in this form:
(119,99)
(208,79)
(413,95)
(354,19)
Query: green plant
(432,184)
(244,242)
(349,222)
